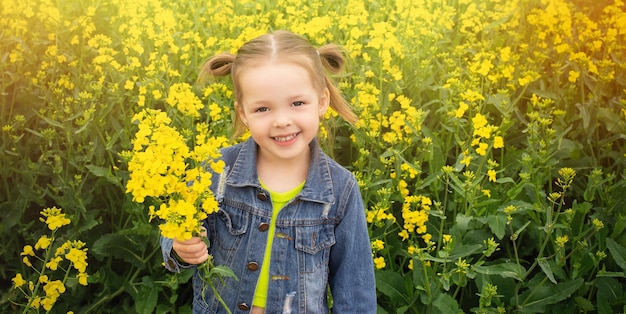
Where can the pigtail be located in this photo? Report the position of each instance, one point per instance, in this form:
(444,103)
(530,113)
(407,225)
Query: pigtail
(334,61)
(218,65)
(332,58)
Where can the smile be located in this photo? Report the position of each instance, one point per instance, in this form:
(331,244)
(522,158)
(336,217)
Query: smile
(285,138)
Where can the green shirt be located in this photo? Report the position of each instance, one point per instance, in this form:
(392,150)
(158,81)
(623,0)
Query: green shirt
(278,201)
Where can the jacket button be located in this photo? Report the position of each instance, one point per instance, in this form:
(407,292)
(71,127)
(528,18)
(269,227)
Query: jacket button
(264,226)
(171,263)
(243,306)
(262,196)
(253,266)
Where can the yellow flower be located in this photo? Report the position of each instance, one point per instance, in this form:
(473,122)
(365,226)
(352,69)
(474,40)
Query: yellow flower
(54,288)
(598,224)
(427,238)
(487,193)
(492,175)
(573,76)
(459,112)
(18,281)
(482,149)
(562,240)
(466,159)
(479,121)
(78,258)
(447,238)
(403,235)
(54,218)
(43,242)
(462,264)
(82,278)
(498,142)
(379,262)
(182,97)
(28,250)
(505,54)
(378,245)
(129,85)
(36,302)
(53,264)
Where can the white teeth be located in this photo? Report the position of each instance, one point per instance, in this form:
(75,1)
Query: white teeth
(285,138)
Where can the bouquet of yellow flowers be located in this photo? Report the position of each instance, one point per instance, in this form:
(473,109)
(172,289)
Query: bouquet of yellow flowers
(174,168)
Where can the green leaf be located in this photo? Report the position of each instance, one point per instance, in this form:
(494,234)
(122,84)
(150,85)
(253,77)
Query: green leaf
(618,252)
(505,180)
(462,222)
(146,300)
(11,215)
(464,251)
(609,288)
(380,310)
(223,271)
(545,267)
(120,246)
(53,122)
(506,270)
(604,307)
(497,224)
(445,303)
(103,172)
(390,284)
(584,304)
(517,233)
(541,296)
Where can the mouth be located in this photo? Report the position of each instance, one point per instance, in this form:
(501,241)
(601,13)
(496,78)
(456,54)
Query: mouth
(285,138)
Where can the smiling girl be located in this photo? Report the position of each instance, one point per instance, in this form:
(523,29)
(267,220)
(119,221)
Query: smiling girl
(291,221)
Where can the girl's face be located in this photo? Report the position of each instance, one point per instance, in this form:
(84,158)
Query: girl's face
(281,108)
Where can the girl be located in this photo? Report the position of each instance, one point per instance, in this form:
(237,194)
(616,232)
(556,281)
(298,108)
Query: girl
(291,220)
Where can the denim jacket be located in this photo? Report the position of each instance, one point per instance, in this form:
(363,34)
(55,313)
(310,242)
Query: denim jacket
(321,240)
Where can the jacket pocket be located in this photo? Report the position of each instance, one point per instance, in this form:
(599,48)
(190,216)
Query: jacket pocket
(229,227)
(236,220)
(313,244)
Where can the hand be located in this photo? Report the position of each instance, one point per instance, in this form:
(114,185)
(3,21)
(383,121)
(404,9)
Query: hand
(192,251)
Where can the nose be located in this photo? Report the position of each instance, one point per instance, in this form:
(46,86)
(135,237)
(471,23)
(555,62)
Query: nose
(282,119)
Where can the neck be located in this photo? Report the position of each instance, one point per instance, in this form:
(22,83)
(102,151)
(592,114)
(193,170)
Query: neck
(283,176)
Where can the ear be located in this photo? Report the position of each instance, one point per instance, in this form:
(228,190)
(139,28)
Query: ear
(241,113)
(324,101)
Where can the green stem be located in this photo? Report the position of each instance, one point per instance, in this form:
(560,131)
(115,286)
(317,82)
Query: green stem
(208,278)
(519,268)
(39,274)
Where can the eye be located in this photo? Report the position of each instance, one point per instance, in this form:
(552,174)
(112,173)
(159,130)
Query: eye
(297,103)
(262,109)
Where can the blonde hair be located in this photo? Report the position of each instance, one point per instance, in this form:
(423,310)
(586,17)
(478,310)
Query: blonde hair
(283,46)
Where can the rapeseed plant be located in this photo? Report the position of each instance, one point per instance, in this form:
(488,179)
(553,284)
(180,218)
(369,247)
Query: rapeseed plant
(38,287)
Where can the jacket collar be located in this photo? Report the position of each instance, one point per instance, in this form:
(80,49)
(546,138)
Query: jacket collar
(318,186)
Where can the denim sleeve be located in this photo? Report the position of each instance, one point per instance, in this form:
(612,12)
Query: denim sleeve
(170,262)
(351,278)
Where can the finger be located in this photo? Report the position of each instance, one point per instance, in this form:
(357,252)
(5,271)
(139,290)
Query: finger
(198,259)
(189,248)
(191,241)
(192,254)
